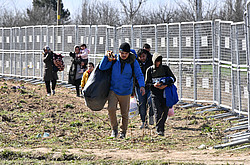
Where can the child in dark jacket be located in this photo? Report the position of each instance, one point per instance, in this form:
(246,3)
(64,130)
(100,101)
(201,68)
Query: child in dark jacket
(153,76)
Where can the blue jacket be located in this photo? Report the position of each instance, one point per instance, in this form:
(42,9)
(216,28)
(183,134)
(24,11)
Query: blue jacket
(122,83)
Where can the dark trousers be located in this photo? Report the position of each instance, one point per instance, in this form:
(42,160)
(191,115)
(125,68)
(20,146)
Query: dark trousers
(160,111)
(77,84)
(47,83)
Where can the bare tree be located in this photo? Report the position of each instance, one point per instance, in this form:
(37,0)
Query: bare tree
(97,13)
(186,12)
(233,10)
(131,8)
(10,18)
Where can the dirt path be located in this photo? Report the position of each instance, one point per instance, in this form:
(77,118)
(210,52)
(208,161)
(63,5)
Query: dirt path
(209,156)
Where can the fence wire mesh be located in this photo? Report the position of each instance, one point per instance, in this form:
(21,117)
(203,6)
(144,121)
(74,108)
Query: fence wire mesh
(206,57)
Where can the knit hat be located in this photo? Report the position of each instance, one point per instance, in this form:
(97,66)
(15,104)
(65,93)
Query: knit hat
(124,47)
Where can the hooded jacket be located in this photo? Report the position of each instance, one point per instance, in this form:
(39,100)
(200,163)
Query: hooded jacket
(154,75)
(122,77)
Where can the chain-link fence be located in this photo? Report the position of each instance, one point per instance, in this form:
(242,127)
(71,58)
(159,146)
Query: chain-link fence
(210,59)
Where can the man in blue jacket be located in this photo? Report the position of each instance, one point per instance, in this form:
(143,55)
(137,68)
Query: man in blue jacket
(124,69)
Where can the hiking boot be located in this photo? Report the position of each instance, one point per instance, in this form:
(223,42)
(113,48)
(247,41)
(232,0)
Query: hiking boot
(122,135)
(144,125)
(114,133)
(151,120)
(53,92)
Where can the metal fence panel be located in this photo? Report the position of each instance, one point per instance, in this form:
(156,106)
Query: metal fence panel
(101,39)
(148,36)
(173,35)
(137,37)
(83,35)
(162,39)
(69,38)
(111,40)
(59,39)
(187,41)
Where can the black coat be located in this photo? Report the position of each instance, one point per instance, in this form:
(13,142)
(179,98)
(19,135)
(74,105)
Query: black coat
(49,68)
(72,72)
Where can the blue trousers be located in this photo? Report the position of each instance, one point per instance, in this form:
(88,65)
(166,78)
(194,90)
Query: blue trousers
(145,102)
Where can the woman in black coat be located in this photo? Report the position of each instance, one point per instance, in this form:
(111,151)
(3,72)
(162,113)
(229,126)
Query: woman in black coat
(50,73)
(76,70)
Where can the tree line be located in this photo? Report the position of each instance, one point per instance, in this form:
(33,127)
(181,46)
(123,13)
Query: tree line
(136,12)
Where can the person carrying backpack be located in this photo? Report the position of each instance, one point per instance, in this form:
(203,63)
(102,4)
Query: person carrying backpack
(123,69)
(50,70)
(154,75)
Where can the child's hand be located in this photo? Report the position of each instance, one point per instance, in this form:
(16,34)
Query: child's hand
(157,84)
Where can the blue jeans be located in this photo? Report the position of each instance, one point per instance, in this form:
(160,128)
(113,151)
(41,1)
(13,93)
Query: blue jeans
(145,102)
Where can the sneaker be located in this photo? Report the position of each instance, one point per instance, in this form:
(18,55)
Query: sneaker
(151,120)
(53,92)
(122,135)
(48,94)
(160,133)
(144,125)
(114,133)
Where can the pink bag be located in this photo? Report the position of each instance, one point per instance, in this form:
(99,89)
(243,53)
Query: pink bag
(171,112)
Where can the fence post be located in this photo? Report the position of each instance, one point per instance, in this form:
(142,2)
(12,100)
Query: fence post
(96,33)
(115,41)
(3,51)
(238,69)
(213,58)
(247,60)
(26,60)
(132,37)
(63,46)
(156,42)
(41,40)
(194,63)
(33,47)
(219,63)
(53,38)
(141,38)
(180,61)
(107,39)
(232,68)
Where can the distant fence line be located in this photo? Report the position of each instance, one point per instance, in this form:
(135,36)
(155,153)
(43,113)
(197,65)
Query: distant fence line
(210,58)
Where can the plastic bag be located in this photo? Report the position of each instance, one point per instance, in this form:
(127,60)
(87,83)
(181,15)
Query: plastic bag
(171,112)
(96,90)
(133,109)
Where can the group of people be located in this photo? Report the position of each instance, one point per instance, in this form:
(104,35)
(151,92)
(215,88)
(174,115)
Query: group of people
(80,67)
(133,73)
(148,73)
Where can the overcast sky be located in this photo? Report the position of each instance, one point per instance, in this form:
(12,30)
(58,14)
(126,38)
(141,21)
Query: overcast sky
(74,5)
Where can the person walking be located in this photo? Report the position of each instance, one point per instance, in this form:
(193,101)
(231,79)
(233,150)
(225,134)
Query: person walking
(50,70)
(144,101)
(76,72)
(86,74)
(124,68)
(153,76)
